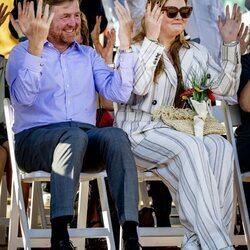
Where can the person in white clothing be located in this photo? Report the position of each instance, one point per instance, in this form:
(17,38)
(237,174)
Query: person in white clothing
(137,8)
(198,173)
(202,25)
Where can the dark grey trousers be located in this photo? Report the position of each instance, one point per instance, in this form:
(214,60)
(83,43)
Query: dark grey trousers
(69,148)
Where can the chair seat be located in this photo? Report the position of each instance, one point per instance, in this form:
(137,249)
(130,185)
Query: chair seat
(245,177)
(43,176)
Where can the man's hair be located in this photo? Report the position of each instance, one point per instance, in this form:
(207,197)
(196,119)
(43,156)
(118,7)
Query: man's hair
(57,2)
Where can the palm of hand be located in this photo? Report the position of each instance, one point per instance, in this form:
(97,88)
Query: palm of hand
(153,20)
(35,28)
(229,30)
(231,27)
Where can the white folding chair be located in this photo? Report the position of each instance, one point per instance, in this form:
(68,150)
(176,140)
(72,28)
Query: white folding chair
(41,237)
(156,236)
(230,116)
(232,119)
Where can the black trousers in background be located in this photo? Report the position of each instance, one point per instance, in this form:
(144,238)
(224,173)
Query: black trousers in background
(243,148)
(161,202)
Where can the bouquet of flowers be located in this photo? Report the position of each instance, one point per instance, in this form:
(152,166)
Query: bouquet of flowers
(200,90)
(199,97)
(197,121)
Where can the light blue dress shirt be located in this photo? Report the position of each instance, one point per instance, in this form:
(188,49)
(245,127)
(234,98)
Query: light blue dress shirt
(60,87)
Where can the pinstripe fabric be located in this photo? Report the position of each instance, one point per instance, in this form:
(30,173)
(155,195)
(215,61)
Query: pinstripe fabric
(198,174)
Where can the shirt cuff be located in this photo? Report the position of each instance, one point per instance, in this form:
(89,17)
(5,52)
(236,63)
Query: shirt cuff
(33,63)
(126,60)
(231,53)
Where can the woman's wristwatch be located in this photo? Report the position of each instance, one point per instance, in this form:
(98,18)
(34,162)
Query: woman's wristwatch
(124,51)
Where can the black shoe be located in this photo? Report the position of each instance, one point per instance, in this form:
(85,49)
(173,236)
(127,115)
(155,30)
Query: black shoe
(62,245)
(131,244)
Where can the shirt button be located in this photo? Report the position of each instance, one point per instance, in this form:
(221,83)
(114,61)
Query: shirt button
(41,64)
(154,102)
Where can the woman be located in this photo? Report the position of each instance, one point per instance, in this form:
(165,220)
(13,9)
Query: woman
(199,174)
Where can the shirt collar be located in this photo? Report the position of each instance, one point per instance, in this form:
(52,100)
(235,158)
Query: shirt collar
(74,45)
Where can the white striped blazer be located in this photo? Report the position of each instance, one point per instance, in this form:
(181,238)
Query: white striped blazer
(135,117)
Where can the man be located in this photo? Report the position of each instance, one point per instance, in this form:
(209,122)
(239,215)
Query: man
(53,81)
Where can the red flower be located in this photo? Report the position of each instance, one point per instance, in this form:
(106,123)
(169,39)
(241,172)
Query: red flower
(187,92)
(211,95)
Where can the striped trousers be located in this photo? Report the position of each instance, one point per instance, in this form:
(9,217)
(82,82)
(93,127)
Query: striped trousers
(199,175)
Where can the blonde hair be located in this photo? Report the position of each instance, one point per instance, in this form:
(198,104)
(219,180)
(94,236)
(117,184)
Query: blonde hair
(84,30)
(178,43)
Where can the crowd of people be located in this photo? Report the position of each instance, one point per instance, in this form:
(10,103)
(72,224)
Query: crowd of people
(59,69)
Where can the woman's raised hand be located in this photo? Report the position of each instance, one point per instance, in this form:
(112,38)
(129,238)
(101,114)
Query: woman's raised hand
(229,28)
(106,51)
(153,20)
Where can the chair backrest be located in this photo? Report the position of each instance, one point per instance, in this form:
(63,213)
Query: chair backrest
(16,180)
(234,121)
(234,111)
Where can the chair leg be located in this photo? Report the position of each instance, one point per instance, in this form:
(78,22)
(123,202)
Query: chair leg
(120,240)
(143,194)
(3,210)
(82,209)
(14,222)
(106,212)
(37,206)
(234,217)
(242,205)
(18,212)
